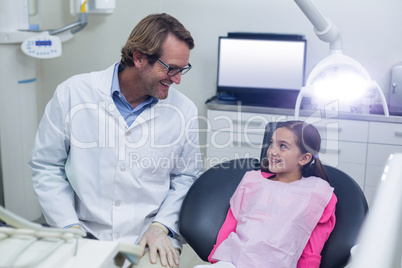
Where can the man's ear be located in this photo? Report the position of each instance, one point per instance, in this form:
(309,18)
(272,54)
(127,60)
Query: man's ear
(139,59)
(305,158)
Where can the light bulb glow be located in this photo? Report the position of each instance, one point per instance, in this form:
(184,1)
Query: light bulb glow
(342,85)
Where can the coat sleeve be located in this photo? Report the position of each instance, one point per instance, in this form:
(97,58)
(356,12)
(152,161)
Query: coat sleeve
(49,155)
(187,169)
(311,257)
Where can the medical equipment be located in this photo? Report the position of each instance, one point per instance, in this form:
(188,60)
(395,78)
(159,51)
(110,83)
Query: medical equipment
(395,91)
(380,240)
(27,244)
(338,82)
(42,46)
(93,7)
(21,43)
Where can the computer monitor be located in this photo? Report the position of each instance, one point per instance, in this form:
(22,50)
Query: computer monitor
(262,69)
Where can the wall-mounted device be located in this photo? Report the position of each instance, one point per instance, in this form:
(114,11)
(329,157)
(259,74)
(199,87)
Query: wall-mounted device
(395,92)
(22,42)
(42,46)
(93,6)
(261,68)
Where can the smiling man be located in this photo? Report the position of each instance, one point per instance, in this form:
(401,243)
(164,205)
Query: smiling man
(117,150)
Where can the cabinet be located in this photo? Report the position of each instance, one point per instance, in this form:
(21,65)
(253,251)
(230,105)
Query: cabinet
(235,135)
(384,139)
(357,146)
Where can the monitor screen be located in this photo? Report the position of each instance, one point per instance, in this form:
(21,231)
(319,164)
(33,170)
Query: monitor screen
(256,66)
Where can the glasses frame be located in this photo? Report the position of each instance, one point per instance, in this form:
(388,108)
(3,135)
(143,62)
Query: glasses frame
(174,71)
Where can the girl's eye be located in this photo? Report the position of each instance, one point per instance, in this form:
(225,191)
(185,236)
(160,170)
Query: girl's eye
(283,146)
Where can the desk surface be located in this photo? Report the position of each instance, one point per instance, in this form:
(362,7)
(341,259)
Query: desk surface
(238,107)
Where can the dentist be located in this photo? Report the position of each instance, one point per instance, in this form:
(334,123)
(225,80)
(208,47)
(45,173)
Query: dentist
(117,150)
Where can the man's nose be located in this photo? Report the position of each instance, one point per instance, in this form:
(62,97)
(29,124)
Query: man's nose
(176,78)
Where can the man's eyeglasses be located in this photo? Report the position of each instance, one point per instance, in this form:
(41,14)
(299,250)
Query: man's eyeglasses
(173,71)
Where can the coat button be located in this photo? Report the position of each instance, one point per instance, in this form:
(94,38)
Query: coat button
(117,203)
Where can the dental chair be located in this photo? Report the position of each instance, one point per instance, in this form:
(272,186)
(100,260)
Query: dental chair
(205,207)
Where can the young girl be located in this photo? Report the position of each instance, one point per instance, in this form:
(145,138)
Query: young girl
(282,215)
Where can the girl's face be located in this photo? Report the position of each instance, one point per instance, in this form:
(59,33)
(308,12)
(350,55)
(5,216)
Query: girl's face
(284,156)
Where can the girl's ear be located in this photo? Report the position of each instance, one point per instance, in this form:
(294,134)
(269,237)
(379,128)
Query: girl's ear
(305,158)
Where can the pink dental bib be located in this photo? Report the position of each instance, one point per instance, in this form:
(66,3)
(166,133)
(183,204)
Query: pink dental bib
(274,220)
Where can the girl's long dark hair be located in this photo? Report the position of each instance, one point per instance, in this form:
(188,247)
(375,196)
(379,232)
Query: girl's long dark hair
(309,141)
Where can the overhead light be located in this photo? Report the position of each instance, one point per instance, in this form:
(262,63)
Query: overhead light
(338,82)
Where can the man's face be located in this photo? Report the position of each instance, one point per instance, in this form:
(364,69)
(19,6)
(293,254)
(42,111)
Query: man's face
(154,80)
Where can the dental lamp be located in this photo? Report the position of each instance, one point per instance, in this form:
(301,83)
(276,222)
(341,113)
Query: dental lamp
(338,82)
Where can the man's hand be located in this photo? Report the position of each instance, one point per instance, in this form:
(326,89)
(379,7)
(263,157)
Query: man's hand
(157,240)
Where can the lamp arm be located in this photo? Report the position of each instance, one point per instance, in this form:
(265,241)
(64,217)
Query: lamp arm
(323,27)
(303,93)
(311,12)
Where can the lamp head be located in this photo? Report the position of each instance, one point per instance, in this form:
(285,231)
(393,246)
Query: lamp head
(338,82)
(341,81)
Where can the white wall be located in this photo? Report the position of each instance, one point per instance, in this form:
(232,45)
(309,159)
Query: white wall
(371,31)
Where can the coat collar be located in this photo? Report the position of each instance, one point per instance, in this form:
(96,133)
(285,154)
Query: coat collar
(103,82)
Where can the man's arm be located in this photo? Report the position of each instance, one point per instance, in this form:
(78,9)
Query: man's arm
(47,162)
(187,169)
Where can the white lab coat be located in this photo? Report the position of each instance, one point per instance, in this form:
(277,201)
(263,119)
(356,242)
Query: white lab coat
(90,167)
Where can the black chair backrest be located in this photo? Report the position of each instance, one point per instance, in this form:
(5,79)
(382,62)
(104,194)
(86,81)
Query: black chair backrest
(350,212)
(205,207)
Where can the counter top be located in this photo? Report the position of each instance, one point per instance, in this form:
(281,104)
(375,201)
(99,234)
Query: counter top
(230,106)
